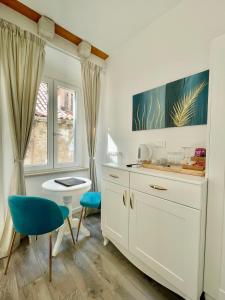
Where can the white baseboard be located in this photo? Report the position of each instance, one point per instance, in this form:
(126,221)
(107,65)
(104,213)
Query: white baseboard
(77,209)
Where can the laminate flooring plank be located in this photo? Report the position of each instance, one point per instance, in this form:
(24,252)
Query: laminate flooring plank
(62,284)
(8,286)
(91,284)
(148,287)
(26,268)
(36,290)
(115,273)
(85,272)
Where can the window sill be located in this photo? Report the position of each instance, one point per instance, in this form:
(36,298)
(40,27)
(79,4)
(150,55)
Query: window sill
(54,171)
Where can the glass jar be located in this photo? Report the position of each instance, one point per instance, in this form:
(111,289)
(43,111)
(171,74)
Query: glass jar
(174,158)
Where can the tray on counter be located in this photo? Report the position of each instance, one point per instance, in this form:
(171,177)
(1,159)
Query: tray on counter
(176,169)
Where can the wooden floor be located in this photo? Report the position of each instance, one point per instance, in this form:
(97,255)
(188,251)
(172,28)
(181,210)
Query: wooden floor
(88,271)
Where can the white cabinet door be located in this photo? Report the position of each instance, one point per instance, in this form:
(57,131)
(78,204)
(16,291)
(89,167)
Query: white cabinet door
(115,212)
(165,236)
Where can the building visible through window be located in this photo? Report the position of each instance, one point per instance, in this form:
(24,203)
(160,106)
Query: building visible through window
(65,126)
(37,153)
(54,117)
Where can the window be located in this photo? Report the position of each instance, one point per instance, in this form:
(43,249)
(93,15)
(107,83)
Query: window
(65,126)
(37,152)
(53,137)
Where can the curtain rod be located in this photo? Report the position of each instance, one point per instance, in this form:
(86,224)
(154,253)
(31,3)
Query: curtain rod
(62,32)
(53,46)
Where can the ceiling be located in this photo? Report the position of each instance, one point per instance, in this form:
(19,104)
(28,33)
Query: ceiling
(104,23)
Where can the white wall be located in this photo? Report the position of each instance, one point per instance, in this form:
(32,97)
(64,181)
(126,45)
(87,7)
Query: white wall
(174,46)
(63,68)
(215,233)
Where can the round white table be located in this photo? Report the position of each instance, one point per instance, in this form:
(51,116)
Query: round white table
(67,194)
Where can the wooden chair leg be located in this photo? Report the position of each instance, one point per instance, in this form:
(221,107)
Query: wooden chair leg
(85,212)
(78,229)
(36,237)
(50,257)
(10,251)
(71,231)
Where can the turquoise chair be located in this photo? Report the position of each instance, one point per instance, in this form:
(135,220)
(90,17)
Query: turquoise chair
(88,200)
(36,216)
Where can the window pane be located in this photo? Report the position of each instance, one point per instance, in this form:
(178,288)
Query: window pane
(65,131)
(37,153)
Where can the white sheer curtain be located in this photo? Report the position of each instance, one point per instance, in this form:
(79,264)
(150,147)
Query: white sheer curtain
(22,57)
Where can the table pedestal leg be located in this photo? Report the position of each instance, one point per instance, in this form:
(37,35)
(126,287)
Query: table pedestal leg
(58,242)
(64,228)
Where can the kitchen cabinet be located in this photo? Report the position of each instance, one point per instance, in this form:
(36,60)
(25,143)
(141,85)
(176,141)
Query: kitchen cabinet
(157,220)
(116,212)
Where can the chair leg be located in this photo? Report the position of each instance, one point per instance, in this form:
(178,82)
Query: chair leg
(36,237)
(10,251)
(71,231)
(85,212)
(50,257)
(78,229)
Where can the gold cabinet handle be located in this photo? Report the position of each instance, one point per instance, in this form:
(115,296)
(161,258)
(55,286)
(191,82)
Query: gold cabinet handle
(131,202)
(113,176)
(157,187)
(124,201)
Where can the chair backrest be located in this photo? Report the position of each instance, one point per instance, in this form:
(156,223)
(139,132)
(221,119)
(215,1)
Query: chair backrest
(34,215)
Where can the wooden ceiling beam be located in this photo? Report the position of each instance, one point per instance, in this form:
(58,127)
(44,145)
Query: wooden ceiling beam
(35,16)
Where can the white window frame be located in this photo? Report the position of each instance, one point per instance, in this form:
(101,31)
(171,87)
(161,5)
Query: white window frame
(49,165)
(52,125)
(75,163)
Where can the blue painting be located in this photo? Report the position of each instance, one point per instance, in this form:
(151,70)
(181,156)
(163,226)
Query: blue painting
(183,102)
